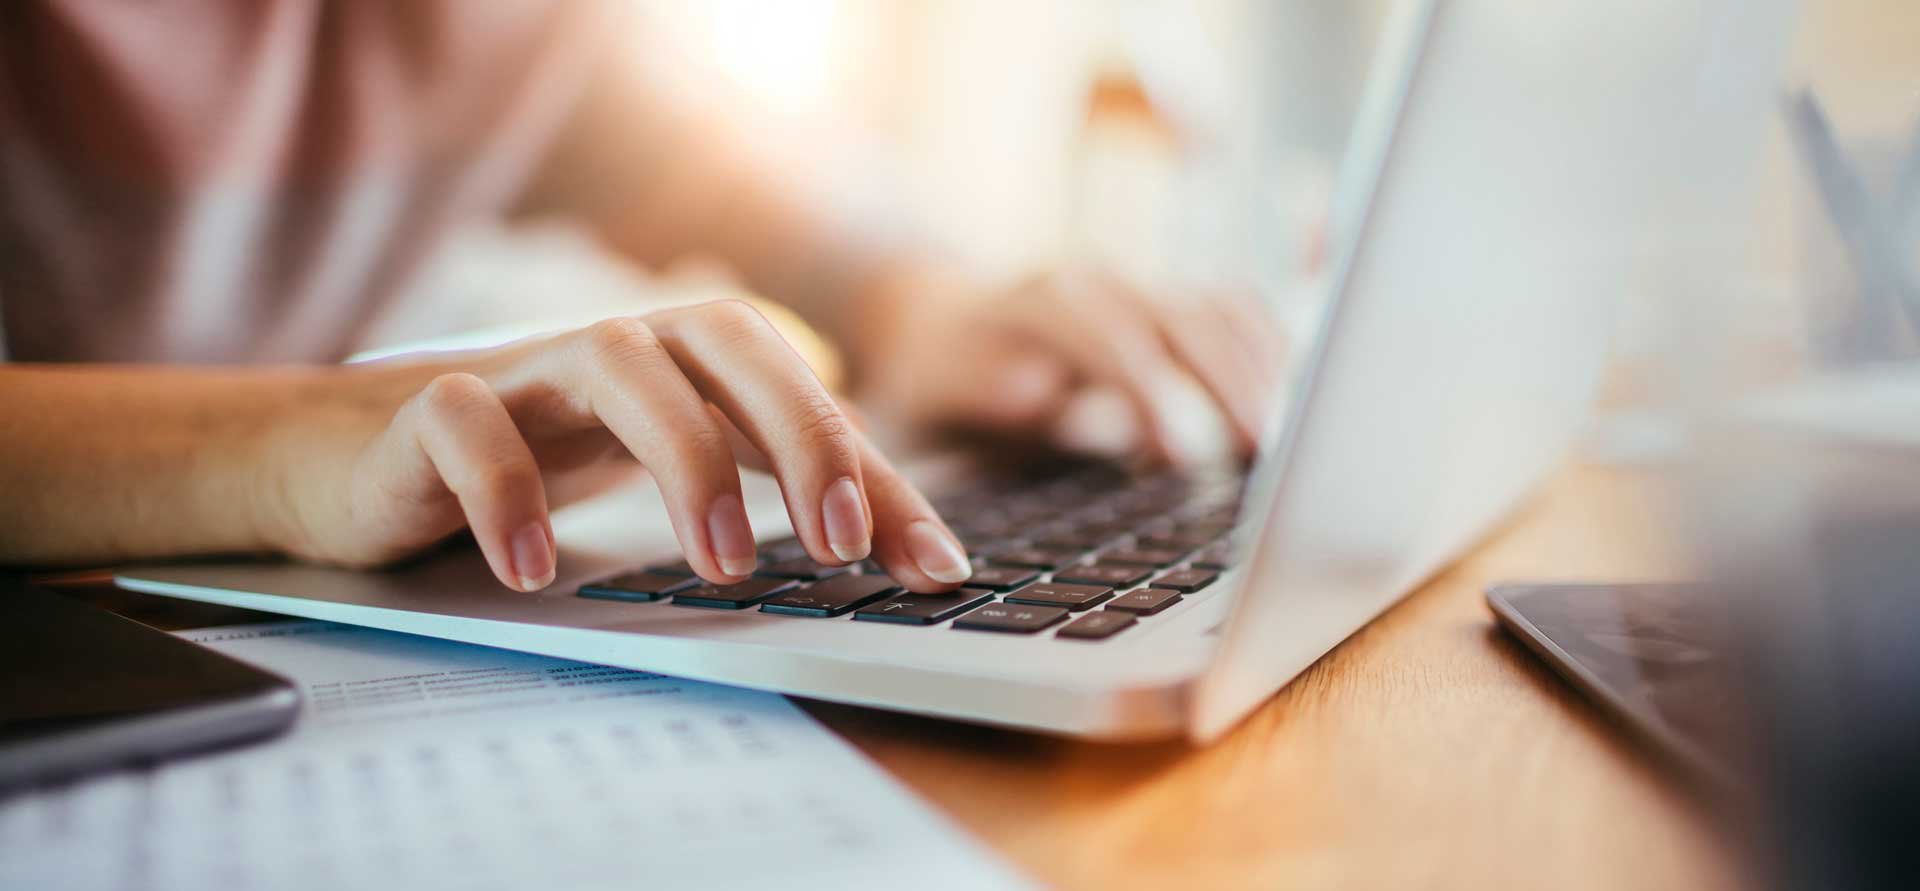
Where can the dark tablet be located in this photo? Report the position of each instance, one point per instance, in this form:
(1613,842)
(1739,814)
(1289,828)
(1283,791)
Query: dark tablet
(1657,656)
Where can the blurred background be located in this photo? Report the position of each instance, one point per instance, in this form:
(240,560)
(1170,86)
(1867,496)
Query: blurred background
(1026,132)
(1014,136)
(1018,135)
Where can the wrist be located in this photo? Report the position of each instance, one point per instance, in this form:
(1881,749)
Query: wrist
(270,451)
(300,453)
(891,313)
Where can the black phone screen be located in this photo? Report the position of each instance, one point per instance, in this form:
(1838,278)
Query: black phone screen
(82,688)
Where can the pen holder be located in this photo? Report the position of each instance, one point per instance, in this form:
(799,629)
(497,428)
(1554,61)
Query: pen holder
(1853,313)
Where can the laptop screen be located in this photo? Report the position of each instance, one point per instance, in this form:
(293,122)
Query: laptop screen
(1500,192)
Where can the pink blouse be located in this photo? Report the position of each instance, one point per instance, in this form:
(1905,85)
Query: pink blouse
(251,180)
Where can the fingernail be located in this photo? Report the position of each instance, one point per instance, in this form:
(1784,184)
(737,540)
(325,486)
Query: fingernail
(936,553)
(731,536)
(533,557)
(846,521)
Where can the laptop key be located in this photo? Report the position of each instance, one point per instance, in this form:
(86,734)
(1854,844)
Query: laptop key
(1206,528)
(1145,601)
(836,596)
(1109,531)
(1186,581)
(736,596)
(681,568)
(1175,541)
(801,568)
(1035,558)
(923,609)
(994,547)
(1098,625)
(1219,556)
(783,549)
(1010,618)
(1144,556)
(1074,542)
(638,587)
(1112,576)
(1073,597)
(1001,578)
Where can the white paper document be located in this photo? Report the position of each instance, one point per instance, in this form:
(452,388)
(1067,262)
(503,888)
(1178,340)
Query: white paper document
(424,764)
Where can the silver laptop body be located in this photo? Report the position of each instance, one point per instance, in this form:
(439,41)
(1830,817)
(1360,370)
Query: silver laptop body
(1502,190)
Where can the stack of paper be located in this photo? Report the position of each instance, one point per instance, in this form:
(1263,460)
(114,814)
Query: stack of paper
(423,764)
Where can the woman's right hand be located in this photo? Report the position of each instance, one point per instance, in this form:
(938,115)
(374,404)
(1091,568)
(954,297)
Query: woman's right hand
(413,452)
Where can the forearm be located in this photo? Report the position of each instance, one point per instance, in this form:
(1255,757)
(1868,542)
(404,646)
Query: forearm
(110,463)
(657,162)
(846,274)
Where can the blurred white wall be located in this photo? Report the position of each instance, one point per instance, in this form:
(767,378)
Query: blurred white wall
(978,103)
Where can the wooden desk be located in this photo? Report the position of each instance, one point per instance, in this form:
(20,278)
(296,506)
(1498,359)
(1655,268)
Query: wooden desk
(1429,750)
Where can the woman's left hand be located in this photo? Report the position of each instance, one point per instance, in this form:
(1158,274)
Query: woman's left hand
(1013,361)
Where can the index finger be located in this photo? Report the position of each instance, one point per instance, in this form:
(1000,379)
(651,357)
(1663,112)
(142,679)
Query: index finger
(738,361)
(1121,348)
(1230,348)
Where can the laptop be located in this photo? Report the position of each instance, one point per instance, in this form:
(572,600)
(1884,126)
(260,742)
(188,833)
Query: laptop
(1499,192)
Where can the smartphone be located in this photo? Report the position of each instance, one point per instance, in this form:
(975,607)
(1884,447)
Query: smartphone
(1657,656)
(84,690)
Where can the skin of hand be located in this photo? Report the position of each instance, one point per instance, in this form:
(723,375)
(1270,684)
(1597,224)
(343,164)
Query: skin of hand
(935,353)
(482,439)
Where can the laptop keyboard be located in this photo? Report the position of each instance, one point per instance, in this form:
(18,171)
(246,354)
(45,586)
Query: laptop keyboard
(1080,553)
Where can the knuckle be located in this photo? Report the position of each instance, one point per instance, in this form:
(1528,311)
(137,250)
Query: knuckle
(818,419)
(730,309)
(706,439)
(494,482)
(733,320)
(698,444)
(623,341)
(454,393)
